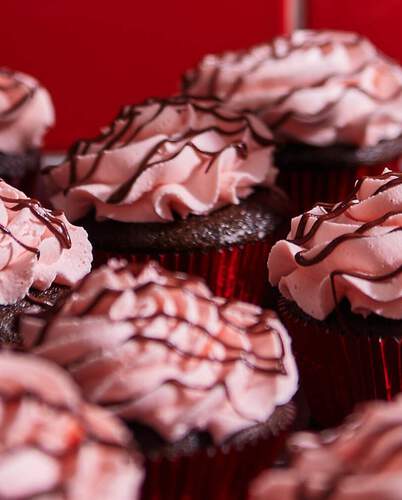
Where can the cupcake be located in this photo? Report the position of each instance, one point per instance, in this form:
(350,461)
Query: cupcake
(332,100)
(183,181)
(339,274)
(53,444)
(204,383)
(41,254)
(26,112)
(361,460)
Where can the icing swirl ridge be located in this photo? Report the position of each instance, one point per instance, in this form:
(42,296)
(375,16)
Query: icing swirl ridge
(26,112)
(165,158)
(315,87)
(359,460)
(158,348)
(53,444)
(38,247)
(347,250)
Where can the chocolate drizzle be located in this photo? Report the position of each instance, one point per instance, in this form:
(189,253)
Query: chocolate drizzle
(143,327)
(193,79)
(124,130)
(330,212)
(82,432)
(50,218)
(272,52)
(17,91)
(372,449)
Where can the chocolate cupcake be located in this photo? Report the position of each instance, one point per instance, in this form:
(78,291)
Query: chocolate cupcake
(339,274)
(181,180)
(331,99)
(360,460)
(53,444)
(26,112)
(204,383)
(41,255)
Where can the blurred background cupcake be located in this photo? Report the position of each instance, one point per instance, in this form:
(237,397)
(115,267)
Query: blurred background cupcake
(339,274)
(205,384)
(332,100)
(26,113)
(41,255)
(184,181)
(360,460)
(55,445)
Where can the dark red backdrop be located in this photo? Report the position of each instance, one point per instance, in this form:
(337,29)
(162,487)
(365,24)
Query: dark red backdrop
(95,55)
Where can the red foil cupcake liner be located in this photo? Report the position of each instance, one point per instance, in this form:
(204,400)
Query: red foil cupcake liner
(238,272)
(307,186)
(339,369)
(220,474)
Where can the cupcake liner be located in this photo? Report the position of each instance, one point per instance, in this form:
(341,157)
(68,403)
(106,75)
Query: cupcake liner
(234,272)
(307,186)
(339,367)
(218,474)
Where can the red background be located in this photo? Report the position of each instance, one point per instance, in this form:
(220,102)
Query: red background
(94,56)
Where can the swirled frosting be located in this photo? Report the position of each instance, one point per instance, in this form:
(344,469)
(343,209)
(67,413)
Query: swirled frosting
(157,348)
(54,445)
(314,87)
(38,247)
(361,460)
(26,112)
(348,250)
(162,159)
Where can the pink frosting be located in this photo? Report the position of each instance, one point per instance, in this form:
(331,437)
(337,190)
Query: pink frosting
(316,87)
(54,445)
(38,247)
(158,348)
(165,157)
(361,460)
(352,249)
(26,112)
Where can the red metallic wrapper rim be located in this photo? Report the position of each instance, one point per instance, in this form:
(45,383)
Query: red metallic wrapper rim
(305,187)
(228,271)
(221,472)
(340,369)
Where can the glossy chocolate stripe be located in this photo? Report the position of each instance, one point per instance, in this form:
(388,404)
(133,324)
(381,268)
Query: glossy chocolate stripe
(27,92)
(126,120)
(332,211)
(358,234)
(46,216)
(115,294)
(143,331)
(273,53)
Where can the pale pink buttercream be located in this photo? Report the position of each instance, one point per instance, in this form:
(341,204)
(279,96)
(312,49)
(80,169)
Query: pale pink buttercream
(372,253)
(21,233)
(26,112)
(54,445)
(178,156)
(361,460)
(160,349)
(315,87)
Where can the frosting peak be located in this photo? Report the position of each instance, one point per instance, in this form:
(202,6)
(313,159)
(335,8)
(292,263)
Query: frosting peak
(315,87)
(26,112)
(162,158)
(37,247)
(348,250)
(54,445)
(360,460)
(158,348)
